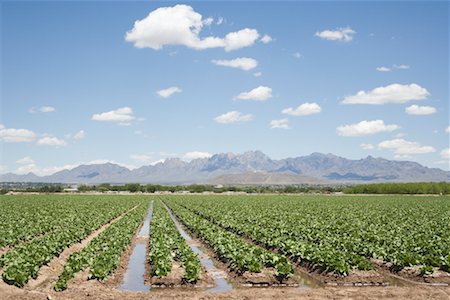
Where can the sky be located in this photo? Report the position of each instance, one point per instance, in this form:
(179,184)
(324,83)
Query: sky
(136,82)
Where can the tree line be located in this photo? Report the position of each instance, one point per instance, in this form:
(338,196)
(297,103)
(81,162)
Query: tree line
(400,188)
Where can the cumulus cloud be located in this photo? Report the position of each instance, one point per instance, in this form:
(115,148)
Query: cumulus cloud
(364,128)
(445,153)
(43,109)
(233,117)
(25,161)
(339,34)
(303,109)
(403,147)
(261,93)
(266,39)
(120,115)
(13,135)
(367,146)
(166,93)
(257,74)
(393,93)
(281,124)
(181,25)
(196,154)
(51,141)
(383,69)
(389,69)
(243,63)
(447,129)
(404,67)
(79,135)
(143,158)
(420,110)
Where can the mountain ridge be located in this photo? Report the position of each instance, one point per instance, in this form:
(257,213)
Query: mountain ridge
(318,167)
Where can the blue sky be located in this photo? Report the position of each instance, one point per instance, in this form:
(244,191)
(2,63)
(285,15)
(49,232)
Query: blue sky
(80,81)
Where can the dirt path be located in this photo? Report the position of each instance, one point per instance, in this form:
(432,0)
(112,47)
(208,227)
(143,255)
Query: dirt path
(95,290)
(48,274)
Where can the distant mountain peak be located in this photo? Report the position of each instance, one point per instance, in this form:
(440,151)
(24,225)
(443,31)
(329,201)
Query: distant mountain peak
(316,167)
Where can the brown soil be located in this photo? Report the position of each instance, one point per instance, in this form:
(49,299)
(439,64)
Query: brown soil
(412,276)
(95,290)
(48,274)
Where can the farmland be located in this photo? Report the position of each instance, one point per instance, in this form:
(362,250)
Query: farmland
(64,244)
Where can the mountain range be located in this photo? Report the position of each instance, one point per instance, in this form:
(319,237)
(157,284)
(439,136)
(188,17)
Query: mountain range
(253,167)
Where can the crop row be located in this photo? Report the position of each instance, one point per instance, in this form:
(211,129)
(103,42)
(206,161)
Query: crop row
(167,243)
(102,255)
(24,261)
(230,248)
(23,218)
(340,233)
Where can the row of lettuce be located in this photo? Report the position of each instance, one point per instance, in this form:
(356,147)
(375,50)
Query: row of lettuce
(335,234)
(37,230)
(63,221)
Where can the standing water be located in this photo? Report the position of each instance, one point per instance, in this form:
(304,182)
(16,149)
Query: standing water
(133,279)
(219,276)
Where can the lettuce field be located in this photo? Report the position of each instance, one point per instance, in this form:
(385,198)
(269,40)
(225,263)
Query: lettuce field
(270,240)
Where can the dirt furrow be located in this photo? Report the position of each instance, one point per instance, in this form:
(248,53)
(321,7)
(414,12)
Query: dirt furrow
(48,274)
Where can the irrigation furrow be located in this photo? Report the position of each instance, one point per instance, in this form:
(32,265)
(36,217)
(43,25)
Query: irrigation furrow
(220,277)
(134,277)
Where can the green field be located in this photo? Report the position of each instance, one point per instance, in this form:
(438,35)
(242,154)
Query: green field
(336,234)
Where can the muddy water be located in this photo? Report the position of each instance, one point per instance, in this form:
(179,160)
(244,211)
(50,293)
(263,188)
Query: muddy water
(219,276)
(133,279)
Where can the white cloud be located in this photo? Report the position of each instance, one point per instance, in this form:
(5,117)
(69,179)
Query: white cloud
(196,154)
(143,158)
(181,25)
(420,110)
(220,20)
(364,128)
(240,39)
(403,147)
(208,21)
(233,117)
(266,39)
(25,161)
(47,109)
(3,169)
(404,67)
(79,135)
(367,146)
(257,74)
(121,115)
(340,34)
(51,141)
(297,55)
(383,69)
(281,124)
(243,63)
(261,93)
(393,93)
(447,129)
(13,135)
(403,157)
(303,109)
(166,93)
(445,153)
(43,109)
